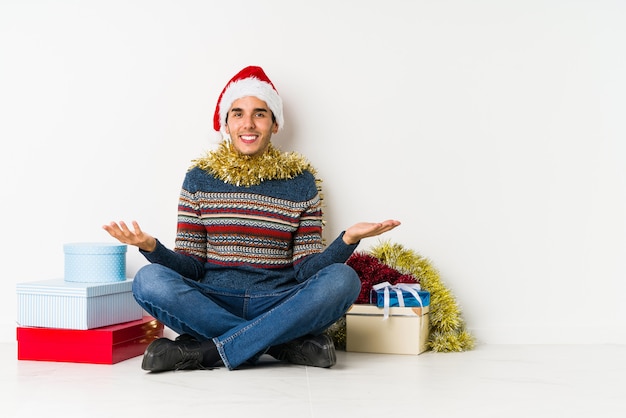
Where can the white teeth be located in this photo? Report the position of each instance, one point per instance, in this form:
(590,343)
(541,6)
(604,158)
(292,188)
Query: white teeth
(248,137)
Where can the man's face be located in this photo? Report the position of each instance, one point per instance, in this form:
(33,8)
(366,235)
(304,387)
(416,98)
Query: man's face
(250,125)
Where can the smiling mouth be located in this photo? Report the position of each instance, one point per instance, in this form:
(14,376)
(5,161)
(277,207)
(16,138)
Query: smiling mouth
(248,138)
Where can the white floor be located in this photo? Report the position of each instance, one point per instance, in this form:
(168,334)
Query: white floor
(503,381)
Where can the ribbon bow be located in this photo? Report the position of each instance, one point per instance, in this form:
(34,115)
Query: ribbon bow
(412,288)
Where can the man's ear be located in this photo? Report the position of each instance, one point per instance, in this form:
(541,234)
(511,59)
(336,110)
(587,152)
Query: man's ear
(275,128)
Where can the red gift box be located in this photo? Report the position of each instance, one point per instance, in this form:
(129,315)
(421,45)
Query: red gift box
(105,345)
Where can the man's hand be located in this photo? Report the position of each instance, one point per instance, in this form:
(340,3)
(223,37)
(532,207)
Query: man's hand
(362,230)
(137,237)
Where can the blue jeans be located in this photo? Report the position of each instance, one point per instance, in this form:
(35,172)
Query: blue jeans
(244,324)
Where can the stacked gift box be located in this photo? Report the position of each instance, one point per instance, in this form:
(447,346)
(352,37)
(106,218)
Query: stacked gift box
(395,321)
(89,316)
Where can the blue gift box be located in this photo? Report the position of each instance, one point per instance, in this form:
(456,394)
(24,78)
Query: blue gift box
(377,297)
(89,262)
(58,303)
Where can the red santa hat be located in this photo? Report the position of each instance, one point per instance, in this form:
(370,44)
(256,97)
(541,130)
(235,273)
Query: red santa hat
(251,81)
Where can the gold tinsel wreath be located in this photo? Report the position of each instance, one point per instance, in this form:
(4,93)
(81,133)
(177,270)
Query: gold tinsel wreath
(246,170)
(448,332)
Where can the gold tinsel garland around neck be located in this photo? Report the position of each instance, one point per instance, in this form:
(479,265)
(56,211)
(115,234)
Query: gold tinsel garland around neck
(232,167)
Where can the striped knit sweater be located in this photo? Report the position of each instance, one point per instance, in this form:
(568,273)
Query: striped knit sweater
(262,236)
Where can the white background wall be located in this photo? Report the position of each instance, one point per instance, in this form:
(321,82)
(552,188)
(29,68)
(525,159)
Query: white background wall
(494,130)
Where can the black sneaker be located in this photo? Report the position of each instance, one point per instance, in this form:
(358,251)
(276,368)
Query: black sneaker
(166,355)
(318,351)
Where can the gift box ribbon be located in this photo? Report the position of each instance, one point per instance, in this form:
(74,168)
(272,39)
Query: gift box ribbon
(387,287)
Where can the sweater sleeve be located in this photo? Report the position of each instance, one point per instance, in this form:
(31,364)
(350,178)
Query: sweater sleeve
(337,252)
(183,264)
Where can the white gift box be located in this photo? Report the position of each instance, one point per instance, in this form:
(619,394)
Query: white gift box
(57,303)
(95,262)
(404,331)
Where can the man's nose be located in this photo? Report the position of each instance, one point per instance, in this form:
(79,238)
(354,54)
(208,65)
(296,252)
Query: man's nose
(248,121)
